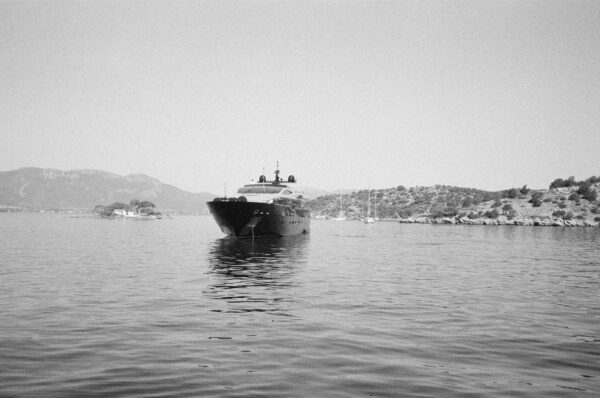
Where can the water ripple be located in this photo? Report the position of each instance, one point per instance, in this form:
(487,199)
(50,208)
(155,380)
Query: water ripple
(110,308)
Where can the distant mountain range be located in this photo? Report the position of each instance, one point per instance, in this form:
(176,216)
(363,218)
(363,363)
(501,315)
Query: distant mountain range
(33,188)
(566,201)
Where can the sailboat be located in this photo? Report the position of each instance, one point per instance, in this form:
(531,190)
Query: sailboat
(368,219)
(341,216)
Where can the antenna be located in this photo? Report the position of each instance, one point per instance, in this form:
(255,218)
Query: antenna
(277,173)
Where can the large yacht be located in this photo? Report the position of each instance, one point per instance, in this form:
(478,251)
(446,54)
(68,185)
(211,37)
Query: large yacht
(266,208)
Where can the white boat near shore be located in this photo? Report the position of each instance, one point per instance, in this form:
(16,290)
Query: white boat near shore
(341,216)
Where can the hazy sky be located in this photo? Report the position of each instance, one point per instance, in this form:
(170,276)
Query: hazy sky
(484,94)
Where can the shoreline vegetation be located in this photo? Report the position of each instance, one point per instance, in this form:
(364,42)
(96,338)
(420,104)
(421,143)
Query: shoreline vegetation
(566,203)
(135,209)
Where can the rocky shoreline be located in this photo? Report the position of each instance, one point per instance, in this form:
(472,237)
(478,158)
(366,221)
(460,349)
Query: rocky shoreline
(525,221)
(566,203)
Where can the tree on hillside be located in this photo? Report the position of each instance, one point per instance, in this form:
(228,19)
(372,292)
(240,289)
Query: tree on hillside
(558,183)
(491,214)
(524,190)
(536,199)
(116,205)
(443,211)
(584,187)
(512,193)
(108,210)
(147,204)
(590,195)
(587,191)
(405,213)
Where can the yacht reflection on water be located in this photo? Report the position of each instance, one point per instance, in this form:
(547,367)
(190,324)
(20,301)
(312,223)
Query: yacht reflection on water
(255,276)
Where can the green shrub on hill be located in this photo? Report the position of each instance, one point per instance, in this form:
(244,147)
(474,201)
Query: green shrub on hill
(590,195)
(570,182)
(405,213)
(558,183)
(587,191)
(491,214)
(568,216)
(511,193)
(536,199)
(107,211)
(449,201)
(559,213)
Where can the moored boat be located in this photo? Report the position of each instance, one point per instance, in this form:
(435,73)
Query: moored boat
(369,219)
(341,216)
(266,208)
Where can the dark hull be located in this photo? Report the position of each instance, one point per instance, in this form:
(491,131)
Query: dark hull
(248,219)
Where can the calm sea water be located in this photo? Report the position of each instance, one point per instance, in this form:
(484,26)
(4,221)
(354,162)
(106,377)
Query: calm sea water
(92,307)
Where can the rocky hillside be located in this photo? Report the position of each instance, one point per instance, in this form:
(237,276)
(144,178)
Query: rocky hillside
(49,189)
(565,202)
